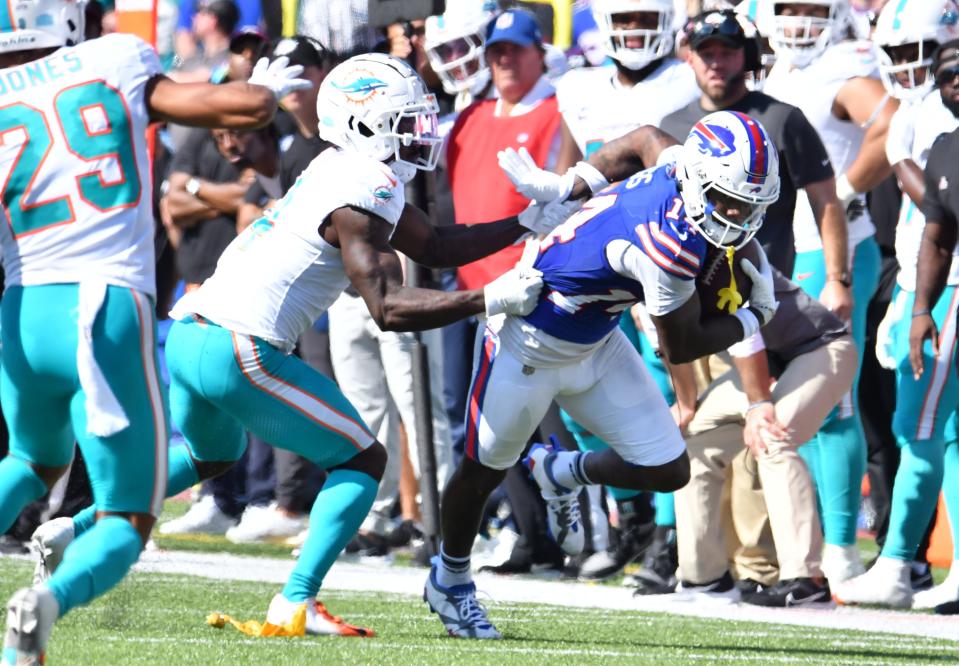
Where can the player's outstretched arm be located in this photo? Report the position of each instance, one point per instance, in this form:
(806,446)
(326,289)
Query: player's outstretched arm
(374,269)
(621,158)
(231,105)
(454,244)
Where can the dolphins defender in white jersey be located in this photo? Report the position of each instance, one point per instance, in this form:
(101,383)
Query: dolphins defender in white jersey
(835,82)
(908,32)
(645,83)
(79,359)
(229,350)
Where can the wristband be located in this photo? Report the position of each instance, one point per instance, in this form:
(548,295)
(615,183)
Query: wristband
(758,403)
(749,321)
(921,313)
(591,176)
(844,190)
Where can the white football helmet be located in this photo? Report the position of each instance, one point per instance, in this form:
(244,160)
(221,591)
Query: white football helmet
(454,43)
(40,24)
(804,38)
(922,23)
(657,42)
(377,105)
(728,164)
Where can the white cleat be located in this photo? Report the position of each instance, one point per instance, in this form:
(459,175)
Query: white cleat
(885,584)
(265,523)
(47,544)
(461,614)
(840,563)
(204,517)
(319,622)
(31,613)
(562,504)
(943,593)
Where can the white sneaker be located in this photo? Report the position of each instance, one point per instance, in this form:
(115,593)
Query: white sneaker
(319,622)
(943,593)
(562,504)
(261,523)
(723,590)
(31,613)
(204,517)
(840,563)
(461,614)
(885,584)
(47,544)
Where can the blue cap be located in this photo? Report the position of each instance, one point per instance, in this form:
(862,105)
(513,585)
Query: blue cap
(514,25)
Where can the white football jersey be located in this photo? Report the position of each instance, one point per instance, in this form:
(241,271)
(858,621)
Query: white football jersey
(278,276)
(931,119)
(813,89)
(74,170)
(598,108)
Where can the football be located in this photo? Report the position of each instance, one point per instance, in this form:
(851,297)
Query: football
(713,283)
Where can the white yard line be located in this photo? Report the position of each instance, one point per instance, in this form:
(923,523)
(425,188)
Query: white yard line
(409,581)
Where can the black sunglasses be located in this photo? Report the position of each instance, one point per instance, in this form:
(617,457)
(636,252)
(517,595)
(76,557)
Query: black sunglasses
(947,75)
(706,26)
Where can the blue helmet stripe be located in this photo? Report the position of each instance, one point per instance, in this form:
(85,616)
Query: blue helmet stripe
(761,150)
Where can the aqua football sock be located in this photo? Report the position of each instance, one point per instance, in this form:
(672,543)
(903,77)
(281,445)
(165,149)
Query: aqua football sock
(95,562)
(337,513)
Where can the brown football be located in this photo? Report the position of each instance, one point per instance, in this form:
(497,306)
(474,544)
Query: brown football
(712,283)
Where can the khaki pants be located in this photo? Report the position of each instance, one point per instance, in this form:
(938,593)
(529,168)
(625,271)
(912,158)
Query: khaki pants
(807,390)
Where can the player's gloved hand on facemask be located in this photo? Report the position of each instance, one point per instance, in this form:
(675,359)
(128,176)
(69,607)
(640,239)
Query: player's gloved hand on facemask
(279,76)
(530,180)
(902,130)
(762,297)
(541,219)
(515,292)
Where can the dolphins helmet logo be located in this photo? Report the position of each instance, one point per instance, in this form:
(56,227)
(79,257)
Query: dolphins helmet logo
(714,140)
(360,87)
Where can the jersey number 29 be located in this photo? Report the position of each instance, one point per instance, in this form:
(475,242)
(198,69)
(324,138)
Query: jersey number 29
(113,141)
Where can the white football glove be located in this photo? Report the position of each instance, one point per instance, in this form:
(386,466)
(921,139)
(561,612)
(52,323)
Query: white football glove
(899,137)
(762,297)
(280,78)
(542,219)
(530,180)
(515,292)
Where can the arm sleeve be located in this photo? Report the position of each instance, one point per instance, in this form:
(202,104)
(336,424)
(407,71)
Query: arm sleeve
(805,154)
(754,343)
(663,292)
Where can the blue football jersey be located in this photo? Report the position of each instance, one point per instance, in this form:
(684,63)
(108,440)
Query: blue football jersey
(583,297)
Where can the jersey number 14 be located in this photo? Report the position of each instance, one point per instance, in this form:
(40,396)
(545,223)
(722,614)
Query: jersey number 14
(114,141)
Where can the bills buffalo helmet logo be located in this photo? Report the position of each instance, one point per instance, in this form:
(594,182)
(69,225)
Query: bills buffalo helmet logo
(714,140)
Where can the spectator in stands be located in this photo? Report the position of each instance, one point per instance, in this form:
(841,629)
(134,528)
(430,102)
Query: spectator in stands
(213,25)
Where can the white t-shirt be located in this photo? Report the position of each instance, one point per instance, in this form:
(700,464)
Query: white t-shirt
(813,89)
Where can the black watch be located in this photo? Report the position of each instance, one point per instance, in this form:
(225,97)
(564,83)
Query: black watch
(842,278)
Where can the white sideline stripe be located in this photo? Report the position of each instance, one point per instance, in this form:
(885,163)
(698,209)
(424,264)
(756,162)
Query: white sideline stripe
(409,581)
(495,647)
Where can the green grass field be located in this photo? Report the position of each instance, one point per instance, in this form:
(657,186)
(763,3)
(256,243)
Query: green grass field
(160,619)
